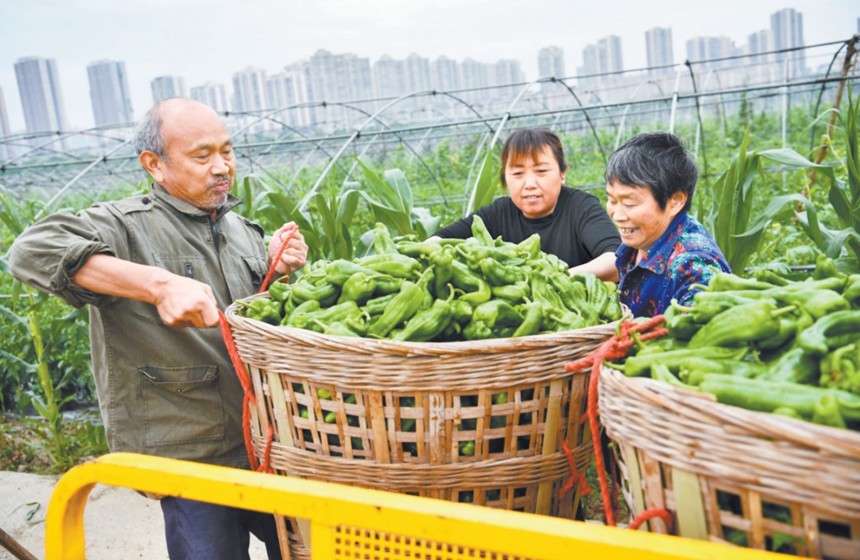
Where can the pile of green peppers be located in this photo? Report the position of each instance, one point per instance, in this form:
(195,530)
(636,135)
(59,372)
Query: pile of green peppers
(440,290)
(770,343)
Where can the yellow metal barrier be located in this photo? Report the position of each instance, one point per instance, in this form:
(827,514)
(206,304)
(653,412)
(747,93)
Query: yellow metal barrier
(348,522)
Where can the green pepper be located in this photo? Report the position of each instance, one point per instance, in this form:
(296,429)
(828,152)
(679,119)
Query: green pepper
(379,304)
(498,274)
(497,312)
(477,330)
(641,363)
(529,248)
(820,337)
(280,291)
(397,265)
(514,293)
(596,293)
(816,302)
(416,249)
(383,244)
(839,368)
(661,373)
(326,293)
(480,232)
(308,307)
(340,270)
(265,310)
(476,289)
(541,292)
(766,396)
(358,288)
(462,311)
(797,365)
(335,313)
(532,314)
(742,324)
(825,267)
(739,368)
(404,305)
(337,328)
(826,411)
(442,261)
(852,288)
(427,324)
(708,304)
(680,321)
(726,281)
(562,319)
(573,294)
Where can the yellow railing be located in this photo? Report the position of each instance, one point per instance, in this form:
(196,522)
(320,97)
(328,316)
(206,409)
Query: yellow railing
(348,522)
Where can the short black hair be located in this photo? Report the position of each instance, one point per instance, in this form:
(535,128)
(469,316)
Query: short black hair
(531,142)
(657,161)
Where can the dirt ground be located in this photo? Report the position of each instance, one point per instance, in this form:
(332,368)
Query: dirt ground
(119,524)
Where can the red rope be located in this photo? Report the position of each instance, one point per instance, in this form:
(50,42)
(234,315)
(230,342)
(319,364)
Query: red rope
(575,475)
(242,373)
(614,348)
(650,514)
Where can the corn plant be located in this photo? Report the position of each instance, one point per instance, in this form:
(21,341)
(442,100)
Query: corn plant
(843,242)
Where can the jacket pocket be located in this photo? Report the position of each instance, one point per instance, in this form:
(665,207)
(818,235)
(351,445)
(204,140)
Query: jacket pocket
(257,268)
(181,404)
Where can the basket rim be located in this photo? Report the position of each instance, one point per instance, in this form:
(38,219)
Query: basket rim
(826,439)
(412,348)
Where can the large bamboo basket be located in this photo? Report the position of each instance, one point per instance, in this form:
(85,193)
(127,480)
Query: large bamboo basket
(401,416)
(725,472)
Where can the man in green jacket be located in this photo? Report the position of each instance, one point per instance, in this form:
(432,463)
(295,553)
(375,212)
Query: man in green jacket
(150,266)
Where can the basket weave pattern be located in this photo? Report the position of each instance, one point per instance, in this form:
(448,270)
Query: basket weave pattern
(479,421)
(723,470)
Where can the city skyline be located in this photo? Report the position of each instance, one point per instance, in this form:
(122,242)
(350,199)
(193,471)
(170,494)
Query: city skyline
(632,55)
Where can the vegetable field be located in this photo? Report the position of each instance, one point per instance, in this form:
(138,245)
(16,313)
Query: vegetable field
(779,188)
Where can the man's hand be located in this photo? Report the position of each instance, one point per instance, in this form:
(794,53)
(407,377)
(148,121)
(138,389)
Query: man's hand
(185,302)
(296,253)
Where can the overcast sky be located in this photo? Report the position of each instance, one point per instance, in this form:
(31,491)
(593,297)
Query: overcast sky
(201,41)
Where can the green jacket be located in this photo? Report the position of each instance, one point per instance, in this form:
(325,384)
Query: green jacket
(162,390)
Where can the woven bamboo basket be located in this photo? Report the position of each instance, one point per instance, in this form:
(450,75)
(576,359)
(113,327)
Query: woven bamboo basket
(479,421)
(732,475)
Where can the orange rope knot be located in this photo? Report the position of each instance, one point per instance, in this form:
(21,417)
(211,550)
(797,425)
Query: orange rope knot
(575,476)
(614,348)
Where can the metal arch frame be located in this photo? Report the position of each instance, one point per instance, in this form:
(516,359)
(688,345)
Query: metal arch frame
(700,131)
(80,174)
(627,108)
(358,131)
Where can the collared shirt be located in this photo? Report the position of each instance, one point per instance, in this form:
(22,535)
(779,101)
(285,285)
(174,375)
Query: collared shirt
(162,390)
(683,256)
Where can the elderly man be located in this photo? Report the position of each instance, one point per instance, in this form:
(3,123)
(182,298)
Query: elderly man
(149,266)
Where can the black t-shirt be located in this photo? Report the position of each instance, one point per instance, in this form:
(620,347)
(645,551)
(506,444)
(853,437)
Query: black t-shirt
(578,230)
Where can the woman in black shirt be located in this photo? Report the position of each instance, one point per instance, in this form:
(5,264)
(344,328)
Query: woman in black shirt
(572,224)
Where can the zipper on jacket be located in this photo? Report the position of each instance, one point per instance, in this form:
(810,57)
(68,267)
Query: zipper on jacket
(214,232)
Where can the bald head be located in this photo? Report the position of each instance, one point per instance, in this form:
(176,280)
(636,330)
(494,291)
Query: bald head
(148,135)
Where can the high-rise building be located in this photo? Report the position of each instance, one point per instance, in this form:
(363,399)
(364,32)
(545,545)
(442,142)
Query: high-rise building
(658,46)
(551,62)
(508,72)
(787,28)
(445,74)
(601,58)
(339,77)
(41,96)
(249,90)
(417,73)
(212,94)
(109,93)
(6,151)
(167,86)
(709,49)
(389,77)
(610,54)
(285,90)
